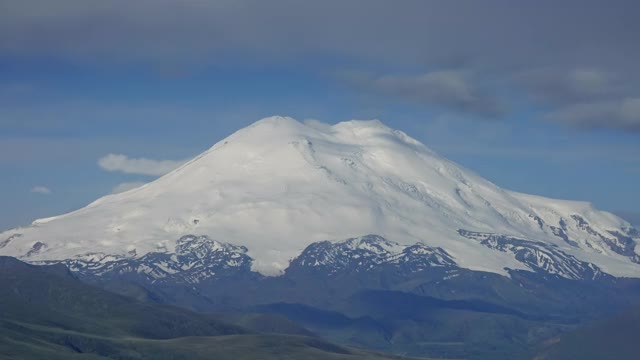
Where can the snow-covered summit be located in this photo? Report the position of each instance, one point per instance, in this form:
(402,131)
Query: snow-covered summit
(279,185)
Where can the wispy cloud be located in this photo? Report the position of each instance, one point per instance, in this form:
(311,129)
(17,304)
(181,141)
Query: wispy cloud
(585,98)
(558,85)
(458,91)
(141,166)
(616,114)
(630,216)
(41,190)
(459,137)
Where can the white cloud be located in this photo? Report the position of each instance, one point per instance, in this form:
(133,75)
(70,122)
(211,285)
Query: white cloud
(126,186)
(618,114)
(141,166)
(41,190)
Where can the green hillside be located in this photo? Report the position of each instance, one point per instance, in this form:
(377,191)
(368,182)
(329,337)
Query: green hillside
(47,314)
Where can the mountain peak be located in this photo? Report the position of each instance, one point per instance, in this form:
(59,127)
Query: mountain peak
(277,121)
(363,124)
(346,131)
(279,185)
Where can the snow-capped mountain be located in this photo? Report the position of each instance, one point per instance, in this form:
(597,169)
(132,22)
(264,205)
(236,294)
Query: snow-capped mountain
(270,190)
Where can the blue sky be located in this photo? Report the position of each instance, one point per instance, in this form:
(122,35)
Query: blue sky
(551,110)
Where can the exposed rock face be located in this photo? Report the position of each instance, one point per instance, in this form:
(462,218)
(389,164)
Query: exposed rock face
(196,258)
(538,256)
(367,253)
(199,258)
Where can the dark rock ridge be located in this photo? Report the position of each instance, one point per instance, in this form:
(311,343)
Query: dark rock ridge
(367,253)
(36,248)
(196,258)
(561,232)
(6,241)
(200,258)
(538,256)
(622,244)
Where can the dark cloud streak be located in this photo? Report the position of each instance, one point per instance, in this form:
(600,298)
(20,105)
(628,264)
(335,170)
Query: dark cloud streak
(619,114)
(562,54)
(569,85)
(494,33)
(451,90)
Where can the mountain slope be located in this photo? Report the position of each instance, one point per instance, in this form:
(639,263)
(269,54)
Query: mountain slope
(42,296)
(45,313)
(279,185)
(613,338)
